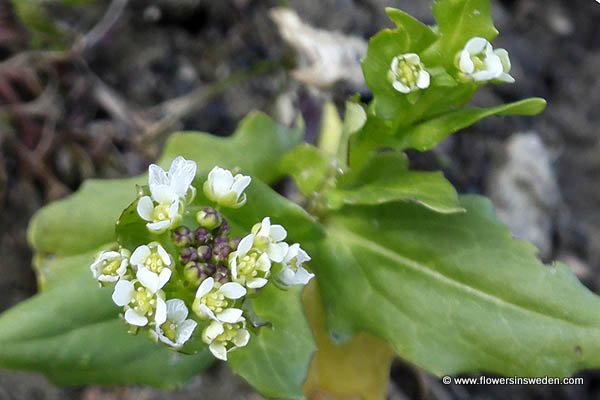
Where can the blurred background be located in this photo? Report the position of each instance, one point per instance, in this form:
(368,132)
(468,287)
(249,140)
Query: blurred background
(92,88)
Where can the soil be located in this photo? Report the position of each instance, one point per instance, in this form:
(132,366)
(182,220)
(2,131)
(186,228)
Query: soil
(156,50)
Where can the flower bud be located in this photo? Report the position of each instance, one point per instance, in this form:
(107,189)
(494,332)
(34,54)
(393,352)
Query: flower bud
(221,274)
(182,237)
(234,242)
(221,252)
(209,268)
(209,218)
(203,236)
(220,240)
(194,273)
(224,228)
(188,254)
(204,252)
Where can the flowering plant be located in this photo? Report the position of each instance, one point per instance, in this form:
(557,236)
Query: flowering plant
(212,263)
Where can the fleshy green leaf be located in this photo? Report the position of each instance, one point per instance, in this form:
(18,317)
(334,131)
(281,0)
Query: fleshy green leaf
(275,362)
(386,178)
(455,292)
(309,166)
(458,21)
(71,333)
(430,133)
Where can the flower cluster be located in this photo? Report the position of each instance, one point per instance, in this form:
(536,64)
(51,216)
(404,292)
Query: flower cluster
(194,273)
(477,62)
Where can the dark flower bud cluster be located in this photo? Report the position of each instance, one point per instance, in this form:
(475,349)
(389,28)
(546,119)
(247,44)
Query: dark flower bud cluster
(204,251)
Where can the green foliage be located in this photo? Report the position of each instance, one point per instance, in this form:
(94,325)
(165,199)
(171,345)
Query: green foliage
(455,292)
(275,362)
(397,253)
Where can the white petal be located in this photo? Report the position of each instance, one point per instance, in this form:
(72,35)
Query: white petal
(245,245)
(394,65)
(176,310)
(107,278)
(134,318)
(123,293)
(164,277)
(160,314)
(148,279)
(256,283)
(230,315)
(205,287)
(218,350)
(232,290)
(181,175)
(164,256)
(156,176)
(140,254)
(277,233)
(286,276)
(263,263)
(399,86)
(265,227)
(412,58)
(476,45)
(108,255)
(242,338)
(465,63)
(482,76)
(206,312)
(212,331)
(423,80)
(302,256)
(493,65)
(164,194)
(185,331)
(291,253)
(174,210)
(240,182)
(302,276)
(277,251)
(145,208)
(158,333)
(504,77)
(221,181)
(504,59)
(159,226)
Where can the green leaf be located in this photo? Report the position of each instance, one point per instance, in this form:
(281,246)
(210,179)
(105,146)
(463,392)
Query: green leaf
(419,35)
(458,21)
(71,333)
(309,166)
(83,221)
(86,220)
(276,360)
(455,292)
(386,178)
(256,147)
(430,133)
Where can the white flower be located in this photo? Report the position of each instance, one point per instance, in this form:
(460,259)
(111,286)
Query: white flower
(153,265)
(269,238)
(213,302)
(225,337)
(293,273)
(110,266)
(248,266)
(480,62)
(177,329)
(225,189)
(170,191)
(140,303)
(407,73)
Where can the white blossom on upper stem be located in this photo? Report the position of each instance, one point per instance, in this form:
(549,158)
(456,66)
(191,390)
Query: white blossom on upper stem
(110,266)
(478,61)
(293,271)
(407,73)
(269,238)
(225,337)
(225,189)
(248,266)
(169,193)
(153,265)
(142,305)
(177,329)
(214,302)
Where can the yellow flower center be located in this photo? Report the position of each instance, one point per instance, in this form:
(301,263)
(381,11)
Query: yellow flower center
(161,212)
(216,301)
(111,267)
(154,262)
(229,333)
(143,301)
(169,329)
(407,73)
